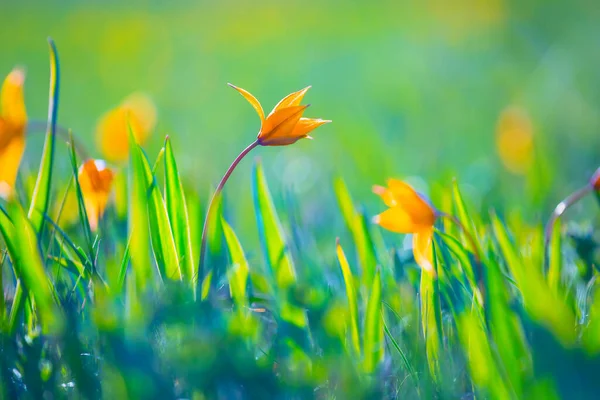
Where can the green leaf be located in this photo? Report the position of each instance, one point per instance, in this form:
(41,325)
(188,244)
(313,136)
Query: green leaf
(163,243)
(373,339)
(138,230)
(30,269)
(540,301)
(464,217)
(431,321)
(276,252)
(352,299)
(345,202)
(237,274)
(178,216)
(480,360)
(555,258)
(271,233)
(41,193)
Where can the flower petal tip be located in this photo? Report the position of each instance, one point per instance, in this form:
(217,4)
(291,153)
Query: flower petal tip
(17,76)
(378,190)
(376,219)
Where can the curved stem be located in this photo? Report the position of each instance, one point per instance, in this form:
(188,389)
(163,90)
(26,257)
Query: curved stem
(210,211)
(560,209)
(62,132)
(473,244)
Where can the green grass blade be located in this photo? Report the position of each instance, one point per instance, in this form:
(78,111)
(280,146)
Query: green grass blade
(41,193)
(238,273)
(373,337)
(465,218)
(276,251)
(480,360)
(540,301)
(163,243)
(345,202)
(271,233)
(137,219)
(352,299)
(555,258)
(178,215)
(407,364)
(431,322)
(30,270)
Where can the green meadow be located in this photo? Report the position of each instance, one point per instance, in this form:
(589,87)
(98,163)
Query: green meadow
(426,228)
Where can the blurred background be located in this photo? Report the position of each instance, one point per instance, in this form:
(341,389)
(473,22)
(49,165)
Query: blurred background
(503,95)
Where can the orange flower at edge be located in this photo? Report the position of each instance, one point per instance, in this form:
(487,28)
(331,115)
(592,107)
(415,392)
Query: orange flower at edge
(13,121)
(112,131)
(285,124)
(95,180)
(408,213)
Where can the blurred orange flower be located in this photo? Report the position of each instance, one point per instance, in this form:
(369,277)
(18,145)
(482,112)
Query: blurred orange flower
(514,140)
(95,180)
(595,180)
(284,125)
(408,213)
(13,120)
(112,130)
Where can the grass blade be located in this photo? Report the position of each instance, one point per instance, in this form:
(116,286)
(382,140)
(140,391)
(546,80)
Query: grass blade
(163,243)
(178,216)
(352,299)
(238,273)
(41,193)
(373,339)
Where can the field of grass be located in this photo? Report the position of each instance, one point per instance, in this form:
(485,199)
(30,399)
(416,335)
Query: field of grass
(123,277)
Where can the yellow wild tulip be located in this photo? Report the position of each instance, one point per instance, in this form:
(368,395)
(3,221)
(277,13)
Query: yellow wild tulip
(285,124)
(13,120)
(112,131)
(95,180)
(408,213)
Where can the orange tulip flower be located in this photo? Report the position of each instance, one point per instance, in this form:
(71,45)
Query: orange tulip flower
(409,213)
(285,124)
(112,132)
(95,181)
(13,120)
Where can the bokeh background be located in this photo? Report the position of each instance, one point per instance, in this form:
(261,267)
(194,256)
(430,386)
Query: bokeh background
(415,89)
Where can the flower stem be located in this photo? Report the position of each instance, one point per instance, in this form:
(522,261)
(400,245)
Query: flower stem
(560,209)
(476,253)
(210,211)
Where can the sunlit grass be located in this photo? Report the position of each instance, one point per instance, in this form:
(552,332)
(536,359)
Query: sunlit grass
(138,298)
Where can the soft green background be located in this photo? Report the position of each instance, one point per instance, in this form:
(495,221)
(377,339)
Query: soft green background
(414,89)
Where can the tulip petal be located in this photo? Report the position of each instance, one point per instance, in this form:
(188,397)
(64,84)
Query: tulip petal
(386,195)
(306,125)
(12,102)
(290,100)
(423,250)
(252,100)
(396,219)
(95,181)
(10,158)
(277,129)
(407,198)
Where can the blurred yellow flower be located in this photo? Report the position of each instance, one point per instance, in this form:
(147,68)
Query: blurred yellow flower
(112,130)
(514,140)
(408,213)
(13,120)
(95,180)
(284,125)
